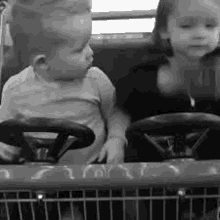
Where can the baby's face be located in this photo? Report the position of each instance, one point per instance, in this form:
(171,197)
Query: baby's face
(74,56)
(64,28)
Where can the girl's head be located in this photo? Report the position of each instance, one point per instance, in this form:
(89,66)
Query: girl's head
(58,29)
(188,27)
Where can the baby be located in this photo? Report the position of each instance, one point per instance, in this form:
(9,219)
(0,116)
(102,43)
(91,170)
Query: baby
(51,41)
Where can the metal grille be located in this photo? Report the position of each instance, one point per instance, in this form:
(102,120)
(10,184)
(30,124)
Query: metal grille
(109,204)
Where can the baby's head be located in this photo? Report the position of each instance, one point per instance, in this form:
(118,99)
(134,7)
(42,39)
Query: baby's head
(60,30)
(190,27)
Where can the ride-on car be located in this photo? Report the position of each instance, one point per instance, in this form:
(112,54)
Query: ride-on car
(36,186)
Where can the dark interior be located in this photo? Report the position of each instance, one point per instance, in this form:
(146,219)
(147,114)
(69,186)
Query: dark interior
(116,57)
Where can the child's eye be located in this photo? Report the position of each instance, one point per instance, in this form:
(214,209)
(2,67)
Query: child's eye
(185,26)
(79,50)
(210,25)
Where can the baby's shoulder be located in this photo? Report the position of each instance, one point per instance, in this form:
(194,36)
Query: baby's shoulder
(18,79)
(97,74)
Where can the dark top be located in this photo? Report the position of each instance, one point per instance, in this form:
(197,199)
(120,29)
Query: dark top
(139,96)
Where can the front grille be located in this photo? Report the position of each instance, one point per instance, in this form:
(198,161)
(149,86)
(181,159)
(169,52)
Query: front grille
(111,204)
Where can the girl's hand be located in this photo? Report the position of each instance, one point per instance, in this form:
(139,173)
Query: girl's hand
(114,150)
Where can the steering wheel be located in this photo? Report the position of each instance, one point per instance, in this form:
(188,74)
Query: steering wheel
(15,128)
(169,125)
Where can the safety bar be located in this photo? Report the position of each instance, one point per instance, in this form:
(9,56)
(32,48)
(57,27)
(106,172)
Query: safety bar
(3,11)
(114,15)
(176,174)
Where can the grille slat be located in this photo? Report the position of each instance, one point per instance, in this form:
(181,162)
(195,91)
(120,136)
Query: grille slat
(58,206)
(19,206)
(6,208)
(110,204)
(111,207)
(84,206)
(164,205)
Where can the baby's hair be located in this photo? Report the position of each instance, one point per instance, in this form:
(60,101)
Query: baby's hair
(163,48)
(28,34)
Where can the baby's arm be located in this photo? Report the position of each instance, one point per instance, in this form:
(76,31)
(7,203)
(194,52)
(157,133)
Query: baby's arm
(116,121)
(8,152)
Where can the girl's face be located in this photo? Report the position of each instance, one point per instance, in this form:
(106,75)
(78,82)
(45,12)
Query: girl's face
(194,27)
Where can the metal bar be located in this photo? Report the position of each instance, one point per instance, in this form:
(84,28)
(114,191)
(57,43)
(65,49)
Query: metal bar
(3,6)
(125,207)
(164,205)
(158,147)
(137,204)
(200,140)
(191,208)
(19,207)
(58,206)
(32,211)
(218,203)
(71,205)
(46,211)
(151,208)
(6,206)
(176,173)
(115,15)
(151,197)
(115,199)
(177,209)
(204,204)
(84,205)
(97,205)
(111,206)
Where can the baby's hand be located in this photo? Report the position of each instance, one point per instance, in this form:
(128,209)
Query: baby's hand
(114,150)
(8,152)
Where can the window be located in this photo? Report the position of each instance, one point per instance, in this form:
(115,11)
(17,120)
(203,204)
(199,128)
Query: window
(123,25)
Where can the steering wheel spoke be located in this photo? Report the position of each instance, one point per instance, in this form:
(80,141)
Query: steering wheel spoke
(155,144)
(200,140)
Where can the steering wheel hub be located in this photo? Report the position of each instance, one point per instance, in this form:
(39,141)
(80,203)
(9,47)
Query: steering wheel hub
(177,126)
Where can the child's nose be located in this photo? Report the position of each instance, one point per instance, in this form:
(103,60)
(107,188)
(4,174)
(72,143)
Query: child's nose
(199,33)
(90,52)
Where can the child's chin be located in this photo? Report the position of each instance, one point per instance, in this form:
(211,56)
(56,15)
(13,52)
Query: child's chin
(197,54)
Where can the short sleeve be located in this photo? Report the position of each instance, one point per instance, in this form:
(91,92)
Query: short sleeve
(14,81)
(105,88)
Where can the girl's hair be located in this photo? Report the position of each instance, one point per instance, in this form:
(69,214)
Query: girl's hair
(210,62)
